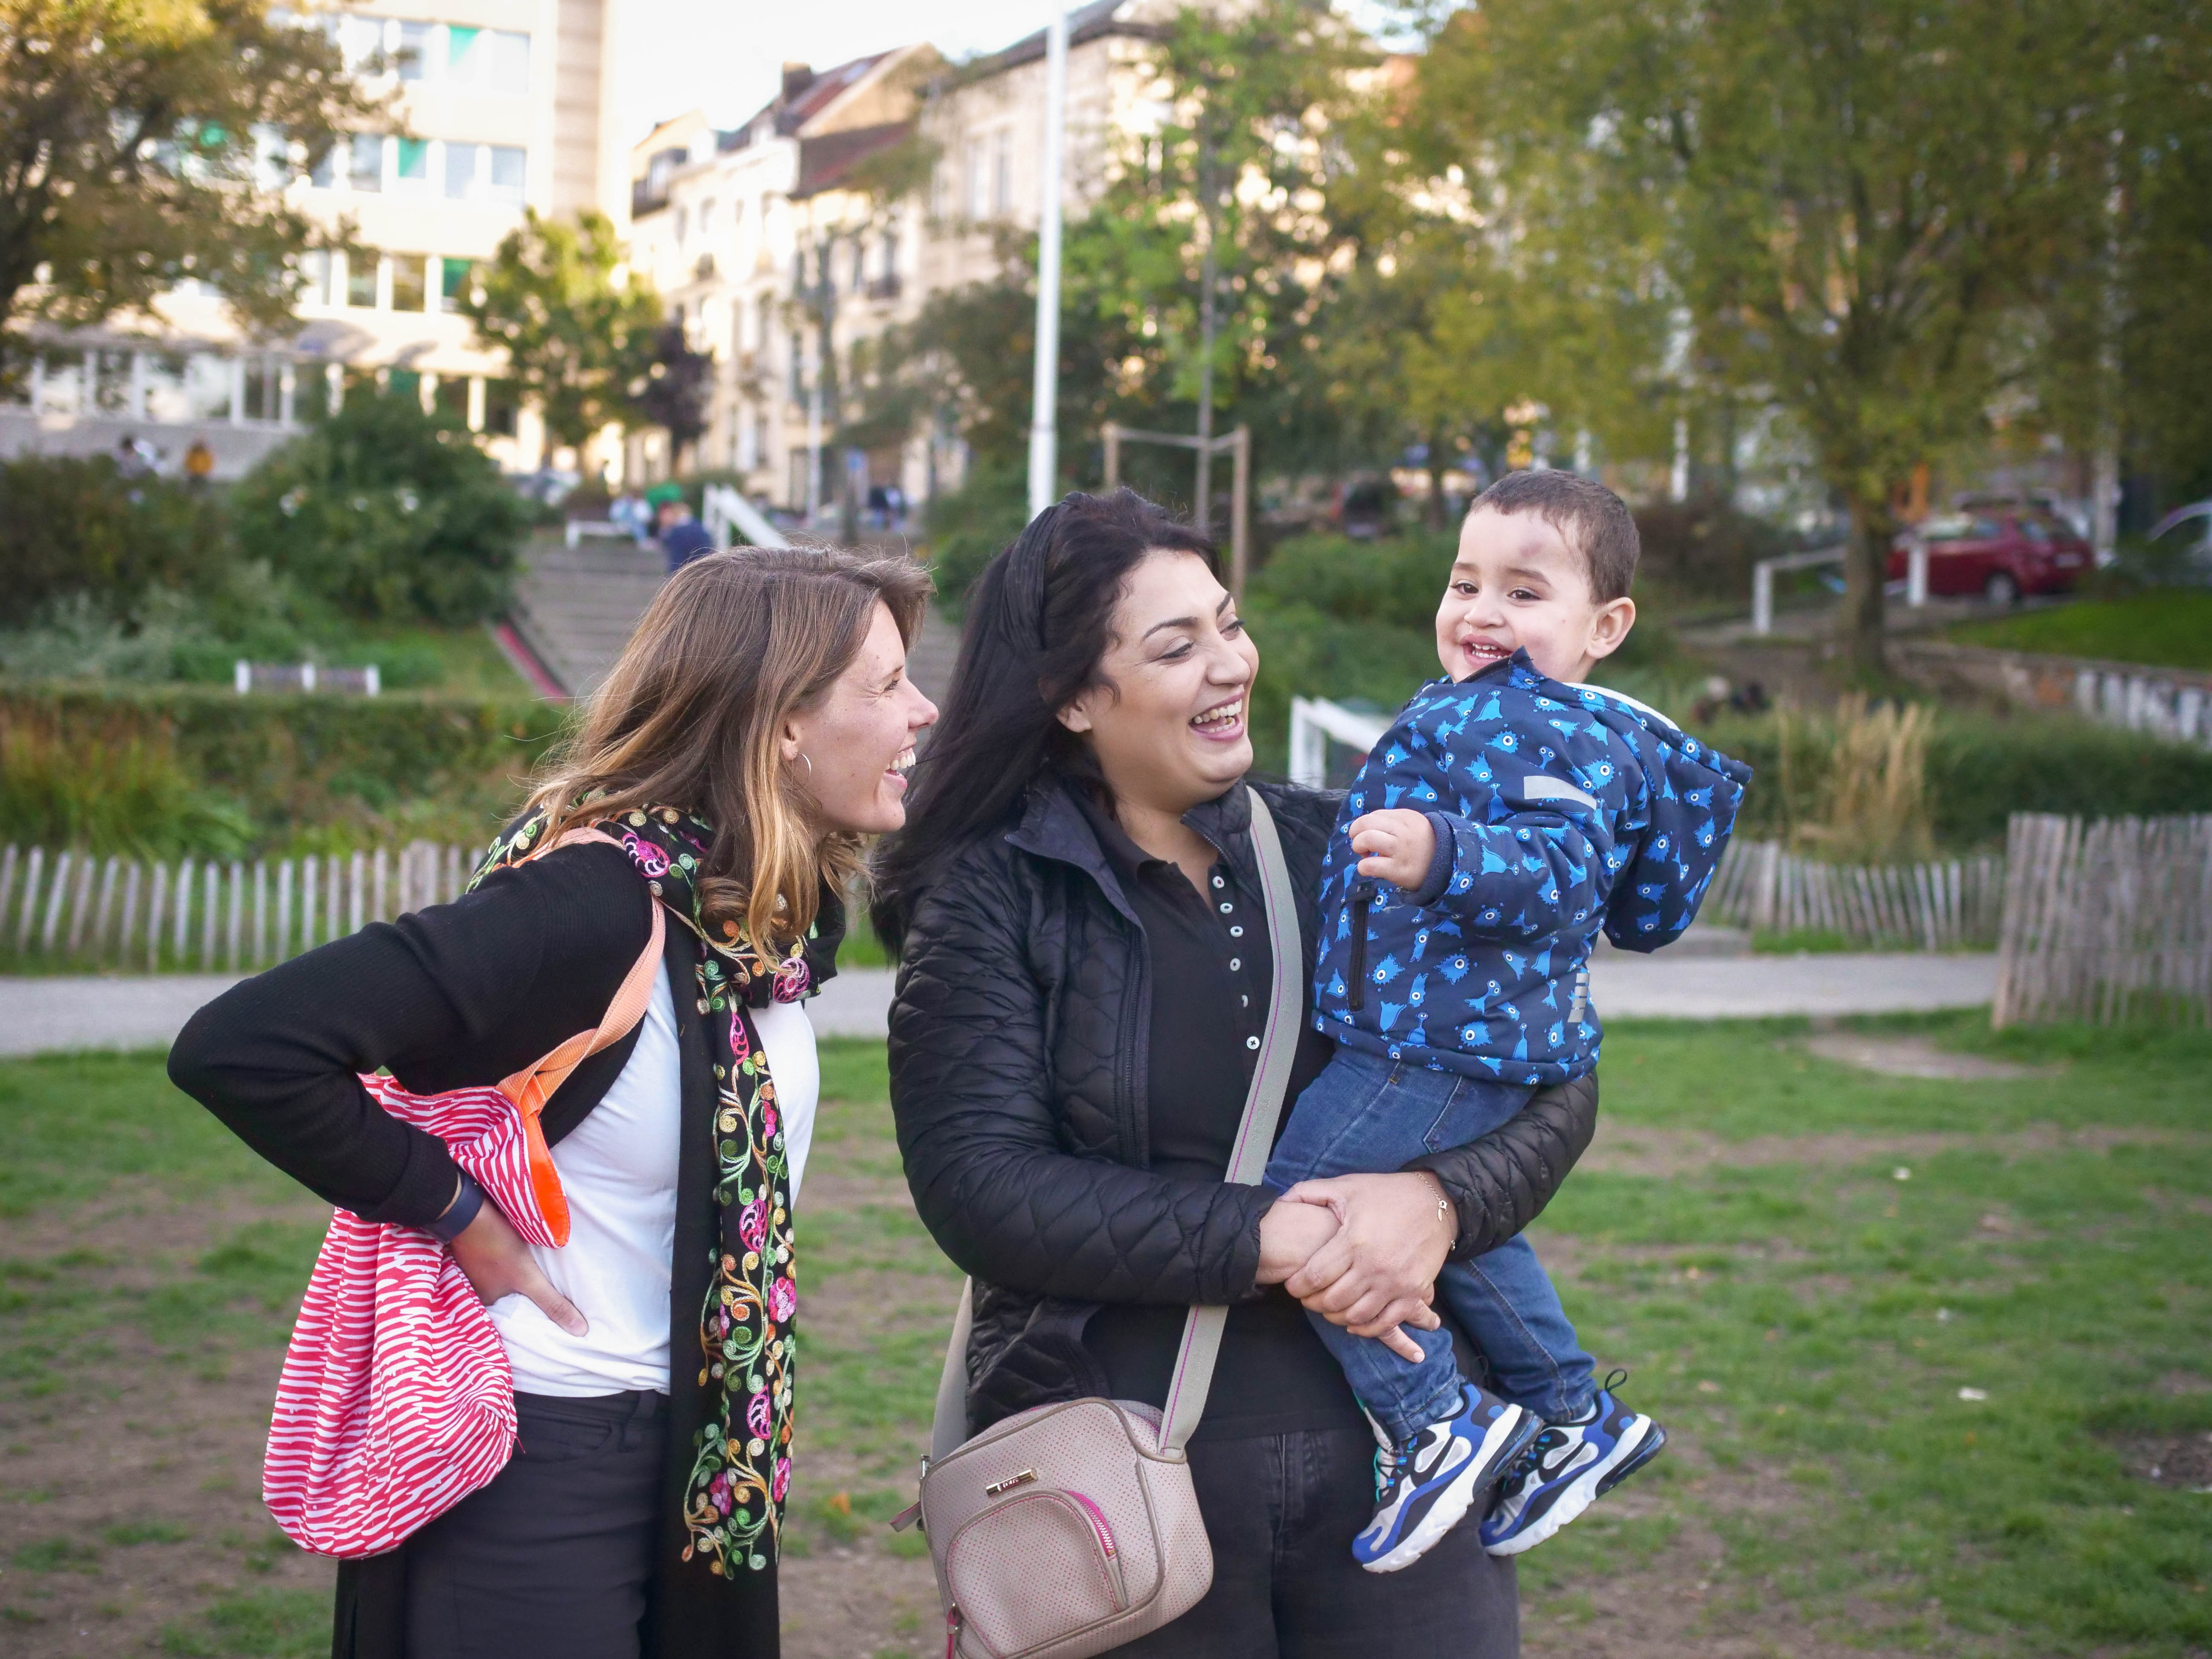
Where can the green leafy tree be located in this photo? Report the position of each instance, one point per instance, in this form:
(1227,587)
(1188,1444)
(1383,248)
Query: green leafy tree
(1852,205)
(143,145)
(673,394)
(386,514)
(579,339)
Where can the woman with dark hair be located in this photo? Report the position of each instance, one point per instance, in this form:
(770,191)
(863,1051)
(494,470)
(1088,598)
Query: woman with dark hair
(758,726)
(1080,1001)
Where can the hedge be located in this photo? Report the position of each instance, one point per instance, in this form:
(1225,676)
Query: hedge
(294,772)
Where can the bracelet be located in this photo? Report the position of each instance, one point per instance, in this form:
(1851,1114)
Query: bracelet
(461,1212)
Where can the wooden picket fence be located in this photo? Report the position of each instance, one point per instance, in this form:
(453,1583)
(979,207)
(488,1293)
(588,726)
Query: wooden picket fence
(2106,921)
(1946,905)
(210,915)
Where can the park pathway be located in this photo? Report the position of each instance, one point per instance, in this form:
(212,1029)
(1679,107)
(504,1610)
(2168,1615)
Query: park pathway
(39,1016)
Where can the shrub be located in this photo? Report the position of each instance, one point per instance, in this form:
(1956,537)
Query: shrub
(1704,547)
(118,790)
(388,513)
(969,525)
(74,528)
(1395,581)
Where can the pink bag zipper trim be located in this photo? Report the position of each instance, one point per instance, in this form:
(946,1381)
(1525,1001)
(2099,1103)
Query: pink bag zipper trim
(1098,1522)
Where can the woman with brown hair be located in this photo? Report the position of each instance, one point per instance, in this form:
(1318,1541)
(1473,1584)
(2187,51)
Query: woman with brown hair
(757,728)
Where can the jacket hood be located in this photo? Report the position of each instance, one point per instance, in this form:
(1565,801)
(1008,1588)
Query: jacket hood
(1693,791)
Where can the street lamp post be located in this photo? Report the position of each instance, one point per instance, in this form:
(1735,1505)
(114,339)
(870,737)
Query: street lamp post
(1044,437)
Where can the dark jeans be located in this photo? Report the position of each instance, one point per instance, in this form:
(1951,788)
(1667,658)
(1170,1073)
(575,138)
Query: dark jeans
(1281,1510)
(1368,1114)
(553,1557)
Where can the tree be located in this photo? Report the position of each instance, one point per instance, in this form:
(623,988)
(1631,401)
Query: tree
(143,145)
(578,337)
(387,513)
(674,393)
(1850,203)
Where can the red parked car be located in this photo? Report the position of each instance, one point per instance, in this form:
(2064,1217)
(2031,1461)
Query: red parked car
(1999,553)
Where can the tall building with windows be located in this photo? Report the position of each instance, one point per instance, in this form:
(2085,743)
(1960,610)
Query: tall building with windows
(501,105)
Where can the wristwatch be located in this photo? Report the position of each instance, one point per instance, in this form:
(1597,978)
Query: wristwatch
(467,1200)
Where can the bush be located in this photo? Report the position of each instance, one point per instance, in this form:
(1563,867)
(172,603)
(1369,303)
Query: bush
(1979,770)
(317,773)
(1703,548)
(967,526)
(120,791)
(1395,581)
(388,513)
(73,529)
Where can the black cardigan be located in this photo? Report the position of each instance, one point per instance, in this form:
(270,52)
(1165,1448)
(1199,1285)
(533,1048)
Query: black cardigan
(461,995)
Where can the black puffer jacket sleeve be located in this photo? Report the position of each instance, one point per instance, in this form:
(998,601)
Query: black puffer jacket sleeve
(1501,1182)
(971,1082)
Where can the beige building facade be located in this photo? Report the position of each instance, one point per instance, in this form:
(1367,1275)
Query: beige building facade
(500,106)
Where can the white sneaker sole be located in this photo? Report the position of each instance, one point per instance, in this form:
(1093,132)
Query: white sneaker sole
(1453,1503)
(1580,1494)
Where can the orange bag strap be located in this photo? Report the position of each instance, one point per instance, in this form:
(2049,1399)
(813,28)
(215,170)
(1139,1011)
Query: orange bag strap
(534,1084)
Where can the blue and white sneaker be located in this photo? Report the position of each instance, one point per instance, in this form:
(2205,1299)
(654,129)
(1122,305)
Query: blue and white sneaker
(1566,1468)
(1424,1486)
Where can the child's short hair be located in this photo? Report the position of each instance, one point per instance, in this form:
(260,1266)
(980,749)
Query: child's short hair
(1589,518)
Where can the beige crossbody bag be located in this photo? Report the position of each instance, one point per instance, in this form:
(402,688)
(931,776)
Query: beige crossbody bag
(1069,1529)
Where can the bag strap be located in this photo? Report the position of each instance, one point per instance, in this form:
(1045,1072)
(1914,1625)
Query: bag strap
(535,1084)
(1255,1137)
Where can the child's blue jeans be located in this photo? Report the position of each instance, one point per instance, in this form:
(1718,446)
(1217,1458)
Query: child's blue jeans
(1367,1115)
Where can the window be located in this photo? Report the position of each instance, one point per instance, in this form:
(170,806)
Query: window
(798,370)
(859,264)
(452,397)
(62,390)
(414,52)
(890,254)
(453,283)
(206,386)
(706,218)
(109,374)
(1002,174)
(404,383)
(461,170)
(505,184)
(361,281)
(365,161)
(682,225)
(491,60)
(324,174)
(409,282)
(165,387)
(413,161)
(315,270)
(978,202)
(263,392)
(501,407)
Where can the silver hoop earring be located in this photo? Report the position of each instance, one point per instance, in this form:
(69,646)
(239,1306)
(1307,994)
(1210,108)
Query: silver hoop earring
(809,759)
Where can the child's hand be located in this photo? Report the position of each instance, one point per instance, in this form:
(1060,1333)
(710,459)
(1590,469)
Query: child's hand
(1397,845)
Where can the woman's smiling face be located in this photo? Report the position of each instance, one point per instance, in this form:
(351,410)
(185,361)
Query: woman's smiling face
(853,749)
(1170,726)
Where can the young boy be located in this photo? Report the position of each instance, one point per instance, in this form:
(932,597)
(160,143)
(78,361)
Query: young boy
(1508,815)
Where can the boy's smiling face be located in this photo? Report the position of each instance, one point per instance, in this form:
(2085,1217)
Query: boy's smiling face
(1516,585)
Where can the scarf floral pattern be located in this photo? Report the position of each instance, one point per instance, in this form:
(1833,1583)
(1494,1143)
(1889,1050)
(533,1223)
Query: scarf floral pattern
(748,1348)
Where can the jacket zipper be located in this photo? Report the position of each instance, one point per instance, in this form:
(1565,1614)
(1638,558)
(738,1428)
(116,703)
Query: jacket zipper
(1363,895)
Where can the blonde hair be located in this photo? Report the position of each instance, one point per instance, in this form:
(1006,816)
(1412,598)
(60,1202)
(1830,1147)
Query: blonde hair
(689,717)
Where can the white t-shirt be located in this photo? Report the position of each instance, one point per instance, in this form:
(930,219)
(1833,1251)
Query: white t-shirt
(619,1169)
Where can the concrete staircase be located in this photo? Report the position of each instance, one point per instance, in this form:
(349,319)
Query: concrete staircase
(574,609)
(575,606)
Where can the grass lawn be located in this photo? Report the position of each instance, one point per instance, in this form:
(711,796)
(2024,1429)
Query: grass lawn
(1803,1264)
(2169,628)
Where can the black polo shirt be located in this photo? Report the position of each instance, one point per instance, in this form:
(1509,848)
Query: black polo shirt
(1211,973)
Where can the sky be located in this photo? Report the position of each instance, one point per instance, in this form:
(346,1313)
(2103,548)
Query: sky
(726,56)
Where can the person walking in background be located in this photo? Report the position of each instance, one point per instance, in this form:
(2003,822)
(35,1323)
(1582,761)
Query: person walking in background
(757,728)
(683,538)
(199,464)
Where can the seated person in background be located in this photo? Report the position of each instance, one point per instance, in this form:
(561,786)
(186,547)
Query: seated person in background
(683,538)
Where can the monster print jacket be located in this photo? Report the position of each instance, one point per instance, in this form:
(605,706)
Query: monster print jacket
(1558,811)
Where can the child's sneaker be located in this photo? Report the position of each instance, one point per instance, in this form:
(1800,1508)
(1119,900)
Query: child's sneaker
(1566,1468)
(1424,1486)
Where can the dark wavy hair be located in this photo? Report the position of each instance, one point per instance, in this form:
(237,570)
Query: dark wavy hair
(1039,621)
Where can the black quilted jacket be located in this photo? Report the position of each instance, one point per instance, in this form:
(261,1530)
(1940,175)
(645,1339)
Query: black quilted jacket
(1018,1066)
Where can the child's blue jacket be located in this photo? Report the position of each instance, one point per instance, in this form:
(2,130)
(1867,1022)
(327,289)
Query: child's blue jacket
(1558,808)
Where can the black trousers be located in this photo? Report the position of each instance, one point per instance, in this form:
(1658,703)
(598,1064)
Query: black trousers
(1281,1511)
(553,1559)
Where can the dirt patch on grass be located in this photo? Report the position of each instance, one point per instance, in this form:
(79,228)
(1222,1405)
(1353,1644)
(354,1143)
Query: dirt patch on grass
(133,1487)
(1645,1150)
(2180,1461)
(1898,1055)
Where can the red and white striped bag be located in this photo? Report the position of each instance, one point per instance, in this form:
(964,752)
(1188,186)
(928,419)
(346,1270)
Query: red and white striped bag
(396,1400)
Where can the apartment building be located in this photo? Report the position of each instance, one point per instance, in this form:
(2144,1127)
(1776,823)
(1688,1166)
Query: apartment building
(768,244)
(503,104)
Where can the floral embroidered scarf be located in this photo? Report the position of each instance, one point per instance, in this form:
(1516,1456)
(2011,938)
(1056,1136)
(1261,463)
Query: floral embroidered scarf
(741,1468)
